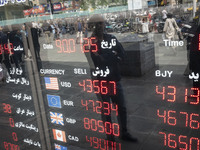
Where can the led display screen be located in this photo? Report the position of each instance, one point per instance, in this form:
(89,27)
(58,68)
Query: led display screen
(104,77)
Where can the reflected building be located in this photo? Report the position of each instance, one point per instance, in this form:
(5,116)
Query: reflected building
(14,10)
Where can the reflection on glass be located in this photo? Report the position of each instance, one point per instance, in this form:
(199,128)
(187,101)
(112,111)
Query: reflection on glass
(106,76)
(100,75)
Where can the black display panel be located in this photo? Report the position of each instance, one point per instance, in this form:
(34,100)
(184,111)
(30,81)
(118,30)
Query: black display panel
(107,78)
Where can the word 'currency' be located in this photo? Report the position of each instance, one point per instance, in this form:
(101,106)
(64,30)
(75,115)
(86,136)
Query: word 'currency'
(52,71)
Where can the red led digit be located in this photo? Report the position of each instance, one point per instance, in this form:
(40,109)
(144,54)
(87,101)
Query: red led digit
(162,116)
(0,50)
(114,108)
(59,45)
(104,88)
(199,42)
(100,125)
(96,141)
(115,145)
(89,86)
(93,45)
(194,124)
(172,94)
(106,106)
(182,141)
(186,118)
(161,92)
(116,131)
(102,144)
(120,146)
(89,140)
(7,108)
(12,123)
(85,45)
(6,48)
(93,125)
(108,128)
(99,107)
(96,86)
(6,145)
(172,143)
(14,135)
(9,50)
(171,120)
(93,106)
(10,145)
(82,84)
(17,147)
(109,144)
(86,123)
(113,87)
(73,45)
(84,104)
(65,44)
(195,96)
(191,143)
(186,95)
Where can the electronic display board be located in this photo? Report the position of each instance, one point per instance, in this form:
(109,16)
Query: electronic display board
(99,81)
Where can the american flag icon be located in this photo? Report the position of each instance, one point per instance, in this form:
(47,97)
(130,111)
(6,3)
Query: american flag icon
(51,83)
(57,118)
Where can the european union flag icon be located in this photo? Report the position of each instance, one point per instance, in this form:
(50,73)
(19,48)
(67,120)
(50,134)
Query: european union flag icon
(54,101)
(59,147)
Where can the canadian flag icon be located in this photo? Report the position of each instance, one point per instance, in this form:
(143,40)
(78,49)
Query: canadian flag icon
(59,135)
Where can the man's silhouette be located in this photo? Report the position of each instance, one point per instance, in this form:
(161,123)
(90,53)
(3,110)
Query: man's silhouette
(108,56)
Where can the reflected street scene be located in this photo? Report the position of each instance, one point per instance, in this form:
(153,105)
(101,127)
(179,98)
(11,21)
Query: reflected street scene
(101,74)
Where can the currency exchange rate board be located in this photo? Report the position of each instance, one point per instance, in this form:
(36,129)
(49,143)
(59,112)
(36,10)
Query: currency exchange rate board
(106,91)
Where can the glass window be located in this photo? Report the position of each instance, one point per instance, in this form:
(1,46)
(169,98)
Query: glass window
(107,75)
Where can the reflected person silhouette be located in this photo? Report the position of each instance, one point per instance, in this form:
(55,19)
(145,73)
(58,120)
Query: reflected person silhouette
(36,44)
(106,59)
